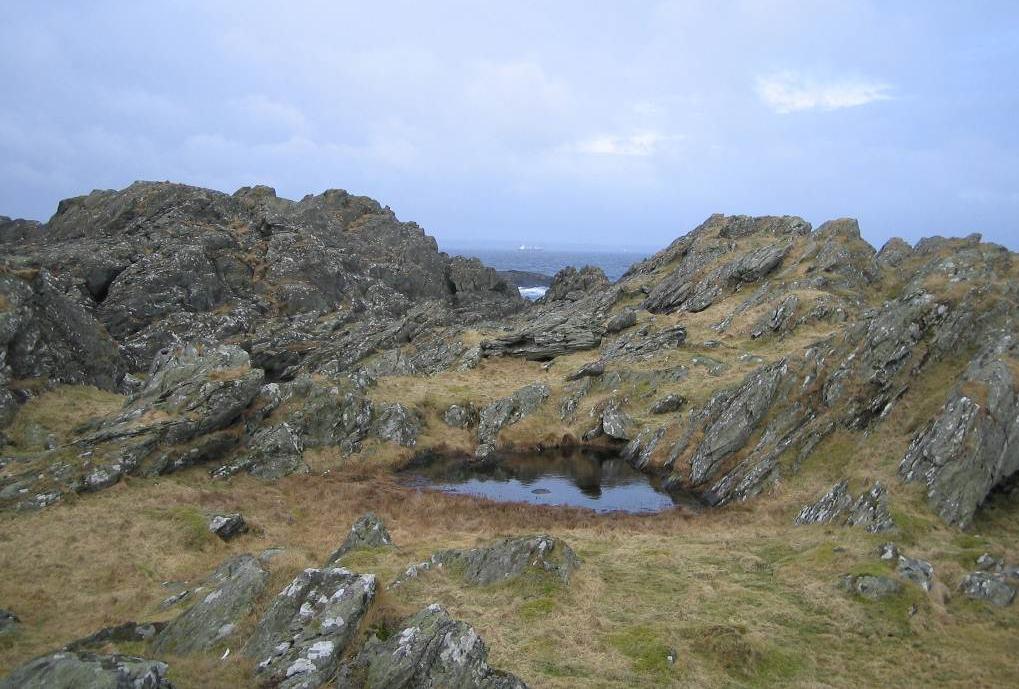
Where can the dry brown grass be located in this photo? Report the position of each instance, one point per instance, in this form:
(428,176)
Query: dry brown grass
(58,412)
(738,581)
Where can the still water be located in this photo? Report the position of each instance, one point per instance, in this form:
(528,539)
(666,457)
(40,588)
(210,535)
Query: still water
(578,478)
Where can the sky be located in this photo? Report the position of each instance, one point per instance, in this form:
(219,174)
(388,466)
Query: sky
(590,123)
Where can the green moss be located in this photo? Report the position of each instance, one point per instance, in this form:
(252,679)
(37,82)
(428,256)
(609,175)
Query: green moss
(537,608)
(191,521)
(643,646)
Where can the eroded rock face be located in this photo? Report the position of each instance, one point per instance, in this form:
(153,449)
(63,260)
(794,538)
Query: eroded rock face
(970,447)
(309,626)
(570,284)
(367,532)
(211,620)
(432,650)
(70,670)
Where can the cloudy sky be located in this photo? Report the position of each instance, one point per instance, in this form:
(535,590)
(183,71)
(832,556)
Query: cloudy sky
(610,123)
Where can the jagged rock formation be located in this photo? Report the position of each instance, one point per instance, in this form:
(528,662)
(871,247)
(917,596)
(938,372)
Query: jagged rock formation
(432,650)
(837,506)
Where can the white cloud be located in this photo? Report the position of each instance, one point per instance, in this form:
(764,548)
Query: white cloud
(787,92)
(639,144)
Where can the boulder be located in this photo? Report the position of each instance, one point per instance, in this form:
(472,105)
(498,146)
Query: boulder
(870,587)
(591,370)
(367,532)
(228,526)
(919,572)
(309,626)
(988,586)
(615,423)
(235,586)
(668,404)
(71,670)
(432,650)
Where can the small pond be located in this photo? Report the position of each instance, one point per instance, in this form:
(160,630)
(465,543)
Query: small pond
(596,480)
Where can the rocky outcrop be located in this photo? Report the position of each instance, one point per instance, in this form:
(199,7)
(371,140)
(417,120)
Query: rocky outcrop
(226,600)
(920,572)
(838,507)
(398,424)
(992,587)
(507,411)
(503,560)
(432,650)
(309,626)
(70,670)
(367,532)
(970,447)
(570,284)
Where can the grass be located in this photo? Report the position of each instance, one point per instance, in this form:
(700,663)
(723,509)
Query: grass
(742,597)
(57,412)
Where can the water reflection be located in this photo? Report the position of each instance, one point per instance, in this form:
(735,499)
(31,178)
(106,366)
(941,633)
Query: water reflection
(579,478)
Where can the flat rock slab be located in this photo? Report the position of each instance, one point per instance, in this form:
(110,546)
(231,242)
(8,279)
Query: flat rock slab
(237,583)
(432,650)
(308,627)
(69,670)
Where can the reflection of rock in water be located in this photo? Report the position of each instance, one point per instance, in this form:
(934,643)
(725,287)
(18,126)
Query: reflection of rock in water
(541,491)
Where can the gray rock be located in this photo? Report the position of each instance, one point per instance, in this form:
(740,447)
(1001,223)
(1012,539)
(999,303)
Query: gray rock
(228,526)
(128,632)
(70,670)
(919,572)
(309,626)
(273,452)
(460,415)
(615,423)
(235,586)
(510,558)
(627,318)
(367,532)
(870,587)
(432,650)
(398,424)
(509,410)
(591,370)
(987,563)
(888,551)
(968,449)
(988,586)
(837,506)
(639,451)
(570,284)
(668,404)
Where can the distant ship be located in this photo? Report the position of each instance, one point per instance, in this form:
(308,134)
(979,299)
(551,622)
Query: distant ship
(524,247)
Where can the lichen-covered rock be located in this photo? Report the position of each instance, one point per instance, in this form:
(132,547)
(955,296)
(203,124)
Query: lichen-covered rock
(873,587)
(460,415)
(512,557)
(273,452)
(837,506)
(989,586)
(128,632)
(432,650)
(397,423)
(591,370)
(233,589)
(615,423)
(70,670)
(640,450)
(506,411)
(919,572)
(367,532)
(309,626)
(969,448)
(228,526)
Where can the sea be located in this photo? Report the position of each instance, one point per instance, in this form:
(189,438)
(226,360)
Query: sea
(551,261)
